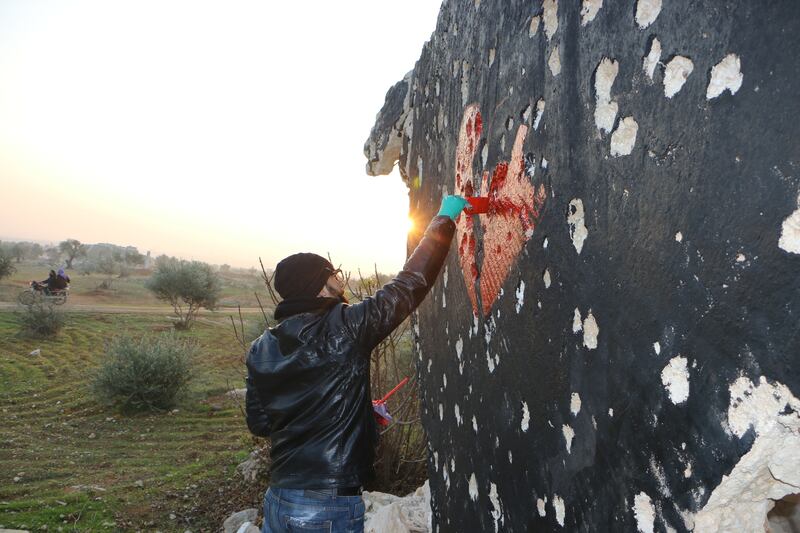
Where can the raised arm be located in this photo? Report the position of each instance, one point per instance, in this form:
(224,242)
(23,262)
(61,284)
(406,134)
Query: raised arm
(374,318)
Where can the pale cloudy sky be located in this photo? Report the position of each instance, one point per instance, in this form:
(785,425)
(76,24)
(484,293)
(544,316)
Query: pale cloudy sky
(217,131)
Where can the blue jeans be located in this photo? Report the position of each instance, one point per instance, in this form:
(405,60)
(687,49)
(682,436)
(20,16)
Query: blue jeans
(287,510)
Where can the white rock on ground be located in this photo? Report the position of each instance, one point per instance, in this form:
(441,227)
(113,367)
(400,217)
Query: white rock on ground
(256,465)
(236,520)
(236,394)
(386,513)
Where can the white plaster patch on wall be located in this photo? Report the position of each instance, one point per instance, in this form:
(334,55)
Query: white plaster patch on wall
(533,29)
(558,505)
(675,377)
(644,512)
(473,487)
(661,478)
(444,380)
(555,62)
(436,461)
(444,300)
(790,232)
(526,115)
(550,17)
(652,58)
(727,74)
(590,331)
(589,10)
(475,424)
(539,112)
(647,12)
(540,506)
(526,417)
(577,228)
(605,111)
(510,457)
(520,294)
(676,73)
(441,412)
(484,155)
(575,403)
(490,59)
(769,471)
(687,472)
(465,67)
(497,510)
(459,347)
(459,418)
(657,348)
(624,137)
(759,406)
(569,434)
(577,321)
(490,362)
(679,237)
(444,276)
(546,278)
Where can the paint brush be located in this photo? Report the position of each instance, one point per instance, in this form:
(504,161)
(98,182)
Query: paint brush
(477,205)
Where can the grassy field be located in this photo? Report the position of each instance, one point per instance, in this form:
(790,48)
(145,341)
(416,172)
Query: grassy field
(238,287)
(69,464)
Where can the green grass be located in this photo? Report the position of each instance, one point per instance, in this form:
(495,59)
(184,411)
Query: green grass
(78,463)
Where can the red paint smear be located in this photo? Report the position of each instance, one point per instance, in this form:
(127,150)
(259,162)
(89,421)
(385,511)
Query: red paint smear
(515,207)
(465,155)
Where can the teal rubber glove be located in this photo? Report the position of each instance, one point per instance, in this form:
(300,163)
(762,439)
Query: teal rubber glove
(452,206)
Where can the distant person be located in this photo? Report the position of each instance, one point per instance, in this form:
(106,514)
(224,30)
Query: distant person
(308,385)
(54,282)
(62,280)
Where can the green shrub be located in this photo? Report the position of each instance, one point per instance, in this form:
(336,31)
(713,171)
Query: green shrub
(41,319)
(6,268)
(145,373)
(187,286)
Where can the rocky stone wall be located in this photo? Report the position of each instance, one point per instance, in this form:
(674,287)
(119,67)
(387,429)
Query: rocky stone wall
(615,345)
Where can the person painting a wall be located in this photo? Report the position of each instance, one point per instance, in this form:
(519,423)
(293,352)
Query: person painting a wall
(308,385)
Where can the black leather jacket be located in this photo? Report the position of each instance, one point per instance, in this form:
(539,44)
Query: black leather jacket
(308,382)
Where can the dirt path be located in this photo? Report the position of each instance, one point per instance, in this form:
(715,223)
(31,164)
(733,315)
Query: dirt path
(136,309)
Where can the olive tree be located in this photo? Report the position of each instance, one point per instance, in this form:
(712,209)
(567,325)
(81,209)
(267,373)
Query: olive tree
(188,286)
(72,249)
(6,268)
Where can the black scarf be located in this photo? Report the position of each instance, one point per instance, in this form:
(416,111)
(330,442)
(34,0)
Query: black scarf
(295,306)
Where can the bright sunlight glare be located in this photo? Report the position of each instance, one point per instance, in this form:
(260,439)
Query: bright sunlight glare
(212,131)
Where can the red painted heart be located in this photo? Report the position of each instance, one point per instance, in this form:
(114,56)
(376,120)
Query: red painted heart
(515,207)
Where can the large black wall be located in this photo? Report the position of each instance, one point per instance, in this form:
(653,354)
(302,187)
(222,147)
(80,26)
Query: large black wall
(689,258)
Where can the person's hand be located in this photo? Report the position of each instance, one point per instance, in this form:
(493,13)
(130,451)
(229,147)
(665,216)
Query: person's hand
(452,206)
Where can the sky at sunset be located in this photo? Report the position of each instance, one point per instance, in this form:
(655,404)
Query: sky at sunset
(218,131)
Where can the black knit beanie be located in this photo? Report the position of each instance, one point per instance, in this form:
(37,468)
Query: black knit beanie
(302,275)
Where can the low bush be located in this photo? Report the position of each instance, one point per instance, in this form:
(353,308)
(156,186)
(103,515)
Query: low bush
(41,319)
(146,373)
